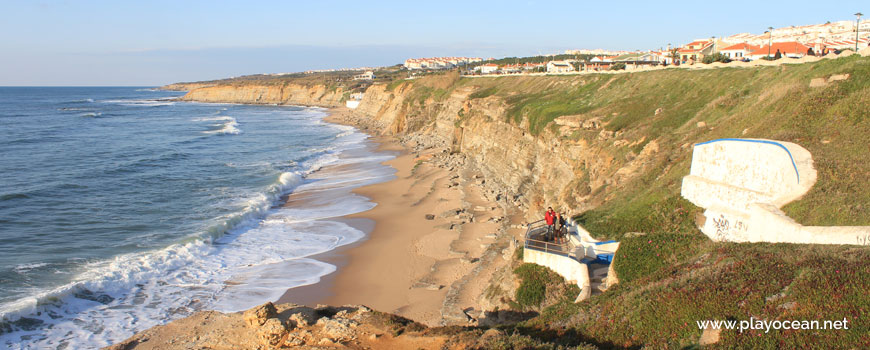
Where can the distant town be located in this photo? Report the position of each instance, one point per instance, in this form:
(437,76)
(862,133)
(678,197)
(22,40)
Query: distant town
(792,42)
(787,42)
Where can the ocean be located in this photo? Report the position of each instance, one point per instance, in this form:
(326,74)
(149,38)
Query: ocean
(121,209)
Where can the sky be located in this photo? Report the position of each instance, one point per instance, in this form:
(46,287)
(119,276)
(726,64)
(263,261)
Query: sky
(151,43)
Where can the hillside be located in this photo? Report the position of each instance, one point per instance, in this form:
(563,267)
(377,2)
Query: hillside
(612,149)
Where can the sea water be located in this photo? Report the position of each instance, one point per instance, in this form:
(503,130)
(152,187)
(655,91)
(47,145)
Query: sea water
(121,209)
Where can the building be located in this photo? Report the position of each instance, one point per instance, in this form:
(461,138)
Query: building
(559,67)
(369,75)
(600,63)
(696,50)
(439,62)
(639,59)
(354,100)
(488,68)
(739,51)
(791,49)
(533,66)
(511,68)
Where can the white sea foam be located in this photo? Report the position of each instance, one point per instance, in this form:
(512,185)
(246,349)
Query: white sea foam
(143,103)
(23,268)
(91,114)
(252,257)
(229,125)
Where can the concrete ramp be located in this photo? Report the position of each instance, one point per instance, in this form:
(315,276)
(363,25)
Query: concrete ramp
(742,183)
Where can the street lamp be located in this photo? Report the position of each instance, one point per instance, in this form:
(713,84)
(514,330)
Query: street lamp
(769,40)
(857,28)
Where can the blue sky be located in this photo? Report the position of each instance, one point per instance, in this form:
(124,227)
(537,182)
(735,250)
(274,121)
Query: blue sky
(159,42)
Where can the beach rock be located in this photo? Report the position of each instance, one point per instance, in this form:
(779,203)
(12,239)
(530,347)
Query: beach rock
(430,217)
(338,329)
(259,315)
(451,212)
(303,318)
(298,338)
(272,332)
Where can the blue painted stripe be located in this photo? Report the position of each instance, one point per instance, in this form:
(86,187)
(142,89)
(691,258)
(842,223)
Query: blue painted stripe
(607,242)
(762,141)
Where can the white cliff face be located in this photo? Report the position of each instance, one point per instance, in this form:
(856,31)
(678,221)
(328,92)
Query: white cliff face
(742,183)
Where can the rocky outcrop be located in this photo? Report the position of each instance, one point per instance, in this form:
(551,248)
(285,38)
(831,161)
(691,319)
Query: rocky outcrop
(287,326)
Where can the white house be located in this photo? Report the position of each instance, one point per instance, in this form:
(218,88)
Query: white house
(738,51)
(559,67)
(488,68)
(369,75)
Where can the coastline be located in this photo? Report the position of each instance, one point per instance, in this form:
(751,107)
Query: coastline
(429,230)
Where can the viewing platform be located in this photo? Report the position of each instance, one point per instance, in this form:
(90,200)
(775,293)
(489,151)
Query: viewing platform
(578,257)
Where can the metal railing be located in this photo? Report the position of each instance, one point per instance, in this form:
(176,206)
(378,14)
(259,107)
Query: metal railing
(535,239)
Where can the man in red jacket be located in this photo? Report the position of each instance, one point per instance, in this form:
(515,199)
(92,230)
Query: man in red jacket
(550,217)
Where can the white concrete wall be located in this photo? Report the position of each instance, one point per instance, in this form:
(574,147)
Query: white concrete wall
(572,270)
(352,104)
(743,183)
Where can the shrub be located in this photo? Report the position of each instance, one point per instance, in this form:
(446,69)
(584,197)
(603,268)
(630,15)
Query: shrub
(533,285)
(716,57)
(618,66)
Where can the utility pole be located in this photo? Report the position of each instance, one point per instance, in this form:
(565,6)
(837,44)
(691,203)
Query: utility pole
(857,29)
(769,40)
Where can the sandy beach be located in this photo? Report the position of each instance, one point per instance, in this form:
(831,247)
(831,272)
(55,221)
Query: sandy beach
(428,235)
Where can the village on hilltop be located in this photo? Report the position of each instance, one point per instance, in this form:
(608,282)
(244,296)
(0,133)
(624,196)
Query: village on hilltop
(792,42)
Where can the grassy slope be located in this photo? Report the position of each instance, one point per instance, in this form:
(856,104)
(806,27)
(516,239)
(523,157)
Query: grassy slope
(673,275)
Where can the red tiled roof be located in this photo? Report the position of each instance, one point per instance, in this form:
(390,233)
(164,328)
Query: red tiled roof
(741,46)
(787,47)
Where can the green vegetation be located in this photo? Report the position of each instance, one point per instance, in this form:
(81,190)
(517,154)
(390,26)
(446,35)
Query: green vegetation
(731,281)
(538,284)
(670,274)
(484,93)
(716,57)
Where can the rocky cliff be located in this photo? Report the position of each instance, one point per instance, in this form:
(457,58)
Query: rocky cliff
(531,171)
(291,94)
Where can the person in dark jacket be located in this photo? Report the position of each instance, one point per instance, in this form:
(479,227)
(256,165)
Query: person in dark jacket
(561,229)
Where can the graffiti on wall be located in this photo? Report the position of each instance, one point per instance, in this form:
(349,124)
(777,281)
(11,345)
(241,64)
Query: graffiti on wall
(726,227)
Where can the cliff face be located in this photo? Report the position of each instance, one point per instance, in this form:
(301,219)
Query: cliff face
(532,171)
(185,86)
(314,95)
